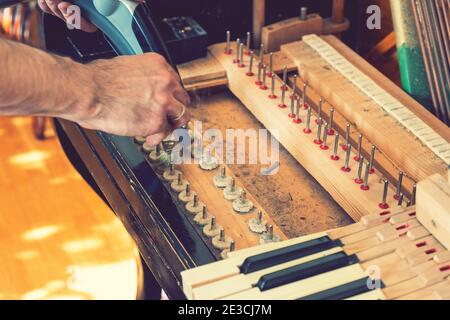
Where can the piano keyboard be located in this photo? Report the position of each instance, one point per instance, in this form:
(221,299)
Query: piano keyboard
(388,255)
(387,102)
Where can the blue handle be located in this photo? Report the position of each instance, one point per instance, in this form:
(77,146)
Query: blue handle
(127,25)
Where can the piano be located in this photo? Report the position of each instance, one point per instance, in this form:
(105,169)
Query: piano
(352,146)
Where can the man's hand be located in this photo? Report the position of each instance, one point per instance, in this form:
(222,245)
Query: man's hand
(59,9)
(135,95)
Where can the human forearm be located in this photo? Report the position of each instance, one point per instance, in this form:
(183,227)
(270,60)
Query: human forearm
(38,83)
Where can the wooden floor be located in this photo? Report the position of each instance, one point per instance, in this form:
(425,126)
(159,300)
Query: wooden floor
(58,240)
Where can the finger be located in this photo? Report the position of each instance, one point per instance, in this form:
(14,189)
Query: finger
(70,18)
(44,7)
(156,138)
(178,114)
(53,6)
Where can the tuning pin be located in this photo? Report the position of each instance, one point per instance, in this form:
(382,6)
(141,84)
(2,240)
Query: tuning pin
(258,82)
(248,52)
(264,84)
(294,86)
(272,94)
(282,103)
(305,104)
(228,47)
(170,174)
(292,113)
(212,229)
(335,155)
(221,241)
(413,196)
(324,145)
(195,206)
(202,218)
(400,199)
(358,155)
(238,44)
(372,158)
(225,252)
(347,137)
(358,178)
(269,236)
(307,130)
(186,195)
(383,204)
(284,86)
(250,65)
(346,167)
(319,111)
(270,71)
(297,119)
(261,53)
(231,192)
(330,127)
(319,132)
(241,56)
(221,180)
(179,184)
(399,185)
(365,185)
(242,204)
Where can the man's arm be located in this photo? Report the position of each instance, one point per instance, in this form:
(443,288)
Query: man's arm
(134,95)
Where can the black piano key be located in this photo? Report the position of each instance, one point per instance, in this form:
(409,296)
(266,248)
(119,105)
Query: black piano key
(289,253)
(344,291)
(306,270)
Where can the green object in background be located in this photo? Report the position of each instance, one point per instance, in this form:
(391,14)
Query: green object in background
(410,59)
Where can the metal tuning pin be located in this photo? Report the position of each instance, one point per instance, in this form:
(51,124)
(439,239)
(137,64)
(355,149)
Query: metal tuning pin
(400,199)
(257,225)
(225,252)
(241,56)
(269,236)
(270,71)
(297,119)
(242,204)
(212,229)
(250,65)
(413,196)
(292,113)
(358,178)
(365,185)
(195,206)
(238,44)
(408,203)
(202,218)
(179,184)
(221,180)
(284,85)
(319,111)
(304,13)
(258,82)
(264,76)
(324,145)
(399,185)
(156,155)
(307,130)
(348,150)
(319,132)
(221,241)
(248,41)
(335,155)
(228,45)
(358,155)
(282,103)
(294,86)
(347,137)
(186,195)
(231,192)
(305,104)
(372,158)
(261,53)
(383,204)
(331,122)
(272,94)
(170,173)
